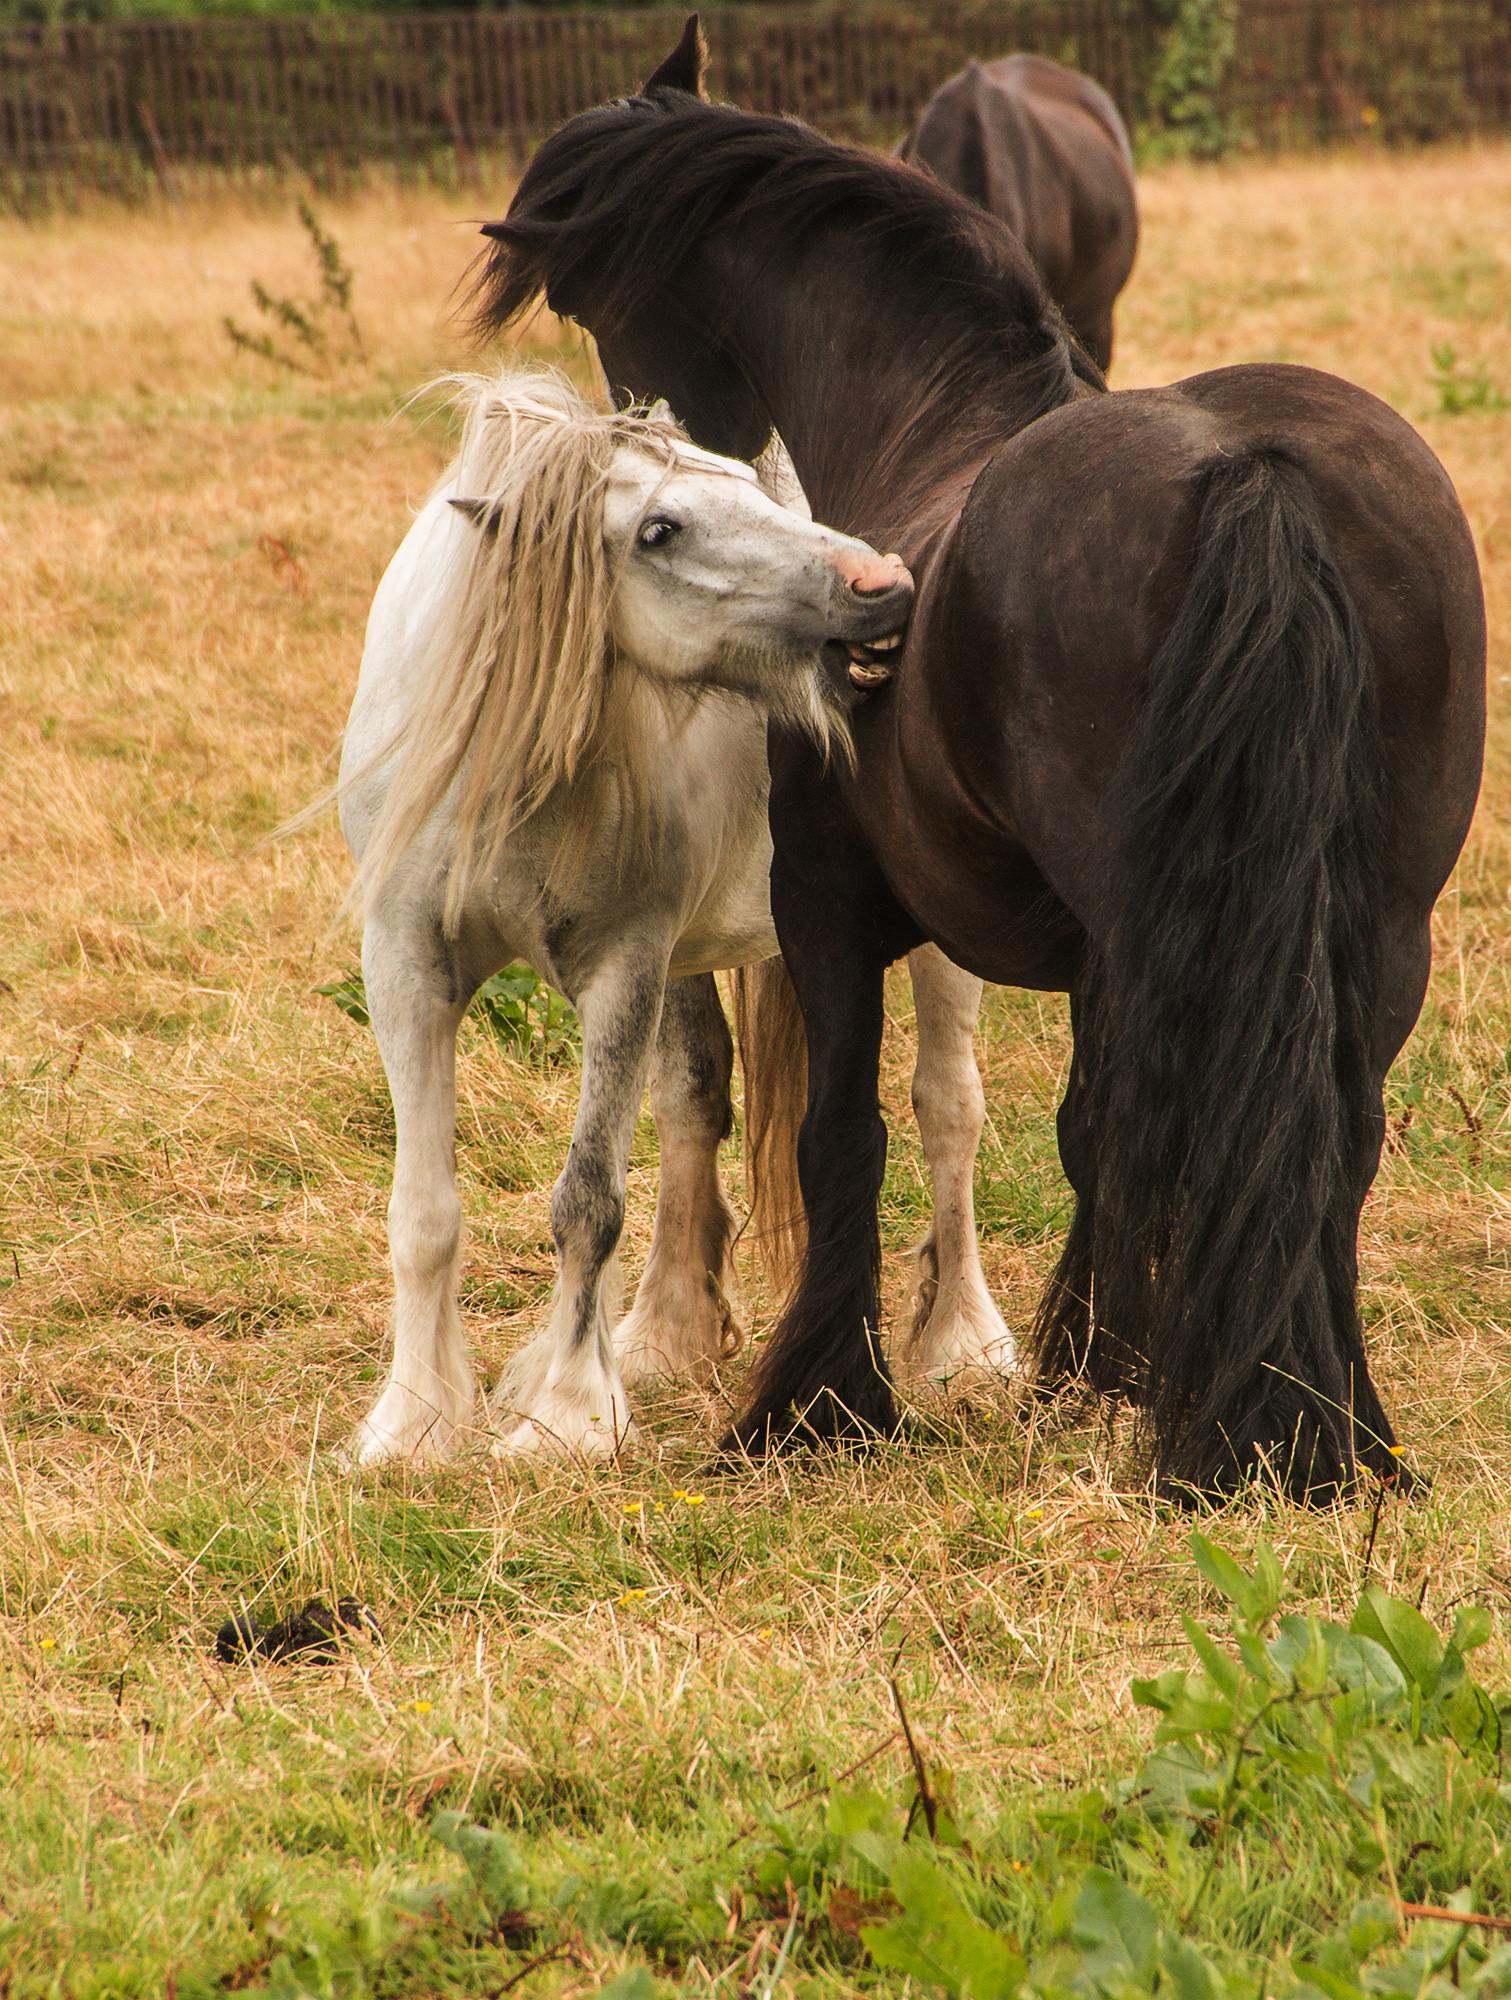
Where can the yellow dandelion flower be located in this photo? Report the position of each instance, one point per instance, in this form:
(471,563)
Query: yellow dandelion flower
(694,1499)
(631,1596)
(48,1644)
(422,1707)
(765,1632)
(679,1492)
(633,1506)
(1396,1450)
(1034,1514)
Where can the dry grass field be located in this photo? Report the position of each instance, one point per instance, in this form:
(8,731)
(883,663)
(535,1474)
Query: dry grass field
(651,1696)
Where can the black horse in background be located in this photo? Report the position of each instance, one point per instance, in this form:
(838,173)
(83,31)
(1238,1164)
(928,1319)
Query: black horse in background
(1188,722)
(1043,149)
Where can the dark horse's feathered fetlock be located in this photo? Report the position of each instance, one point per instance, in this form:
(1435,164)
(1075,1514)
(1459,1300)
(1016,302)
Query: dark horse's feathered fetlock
(1188,723)
(820,1375)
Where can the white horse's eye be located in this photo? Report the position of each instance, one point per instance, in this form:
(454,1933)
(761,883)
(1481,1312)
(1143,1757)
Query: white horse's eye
(658,531)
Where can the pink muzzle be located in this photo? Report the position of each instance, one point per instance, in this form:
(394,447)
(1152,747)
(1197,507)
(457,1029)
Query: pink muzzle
(868,574)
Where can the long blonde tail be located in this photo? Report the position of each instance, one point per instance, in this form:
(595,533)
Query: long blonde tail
(773,1048)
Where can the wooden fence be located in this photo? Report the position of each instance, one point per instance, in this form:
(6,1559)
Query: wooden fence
(133,110)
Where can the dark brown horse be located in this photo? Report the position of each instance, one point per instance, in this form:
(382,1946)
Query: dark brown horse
(1188,722)
(1043,149)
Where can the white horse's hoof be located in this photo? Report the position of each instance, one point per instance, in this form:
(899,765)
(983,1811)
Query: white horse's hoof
(402,1426)
(974,1364)
(370,1448)
(968,1346)
(537,1437)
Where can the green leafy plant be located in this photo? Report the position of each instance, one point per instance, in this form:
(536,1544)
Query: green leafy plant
(1373,1736)
(518,1008)
(350,994)
(934,1937)
(515,1006)
(311,322)
(1349,1715)
(1186,112)
(1463,386)
(493,1898)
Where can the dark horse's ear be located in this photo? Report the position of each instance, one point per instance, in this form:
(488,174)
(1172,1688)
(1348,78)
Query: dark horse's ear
(684,67)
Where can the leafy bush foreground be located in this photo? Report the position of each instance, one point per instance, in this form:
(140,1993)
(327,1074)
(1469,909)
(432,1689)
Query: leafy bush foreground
(1322,1817)
(1361,1754)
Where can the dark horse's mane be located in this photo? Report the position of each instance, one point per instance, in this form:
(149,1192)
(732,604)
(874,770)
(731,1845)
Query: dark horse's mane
(620,198)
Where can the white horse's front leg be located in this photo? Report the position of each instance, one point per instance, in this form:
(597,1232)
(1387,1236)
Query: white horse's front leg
(957,1331)
(683,1319)
(563,1393)
(428,1399)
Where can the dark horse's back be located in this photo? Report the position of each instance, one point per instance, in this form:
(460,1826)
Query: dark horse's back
(1042,148)
(1093,513)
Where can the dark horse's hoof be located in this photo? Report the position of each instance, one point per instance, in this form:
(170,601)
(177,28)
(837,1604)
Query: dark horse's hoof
(1384,1464)
(824,1423)
(1307,1465)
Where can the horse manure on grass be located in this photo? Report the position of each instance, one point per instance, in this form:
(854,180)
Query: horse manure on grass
(314,1635)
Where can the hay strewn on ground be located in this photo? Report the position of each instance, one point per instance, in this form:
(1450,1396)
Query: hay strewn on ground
(195,1152)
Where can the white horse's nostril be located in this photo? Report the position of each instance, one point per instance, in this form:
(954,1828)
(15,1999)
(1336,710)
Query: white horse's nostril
(878,575)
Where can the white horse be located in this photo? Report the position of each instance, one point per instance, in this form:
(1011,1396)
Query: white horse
(557,753)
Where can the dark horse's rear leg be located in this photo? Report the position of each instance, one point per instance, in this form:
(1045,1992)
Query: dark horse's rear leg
(1062,1325)
(1284,1428)
(1064,1350)
(1315,1393)
(821,1375)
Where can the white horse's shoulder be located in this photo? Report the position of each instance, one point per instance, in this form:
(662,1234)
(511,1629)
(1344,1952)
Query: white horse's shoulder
(409,594)
(400,623)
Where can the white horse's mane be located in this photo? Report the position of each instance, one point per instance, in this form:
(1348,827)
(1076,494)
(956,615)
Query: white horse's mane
(520,695)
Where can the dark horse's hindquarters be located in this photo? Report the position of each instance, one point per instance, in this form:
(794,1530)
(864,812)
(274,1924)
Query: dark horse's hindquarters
(1043,149)
(1188,722)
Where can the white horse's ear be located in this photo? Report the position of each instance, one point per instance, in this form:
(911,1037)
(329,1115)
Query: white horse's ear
(778,477)
(481,513)
(661,412)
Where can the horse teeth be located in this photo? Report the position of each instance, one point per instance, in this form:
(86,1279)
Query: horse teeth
(864,655)
(864,675)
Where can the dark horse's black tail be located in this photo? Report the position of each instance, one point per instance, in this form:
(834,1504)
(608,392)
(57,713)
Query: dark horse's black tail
(1225,1086)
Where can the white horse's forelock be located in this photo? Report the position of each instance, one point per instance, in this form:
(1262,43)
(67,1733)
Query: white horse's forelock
(522,695)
